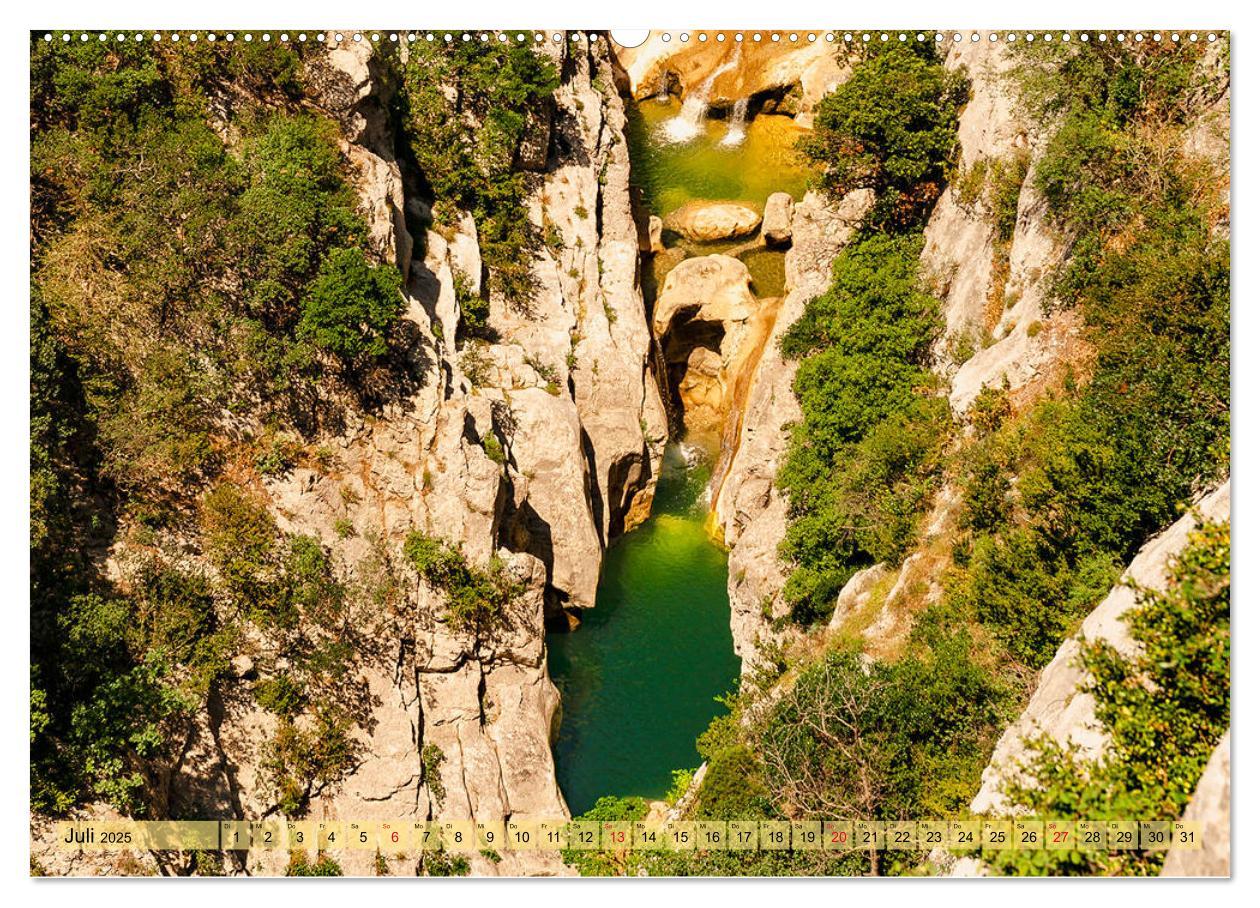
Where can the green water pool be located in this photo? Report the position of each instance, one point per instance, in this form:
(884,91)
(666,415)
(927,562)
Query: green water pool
(674,174)
(638,679)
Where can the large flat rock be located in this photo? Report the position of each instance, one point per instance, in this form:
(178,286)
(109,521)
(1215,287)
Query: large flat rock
(707,222)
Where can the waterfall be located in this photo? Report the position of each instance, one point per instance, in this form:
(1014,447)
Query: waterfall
(687,125)
(735,128)
(662,93)
(673,421)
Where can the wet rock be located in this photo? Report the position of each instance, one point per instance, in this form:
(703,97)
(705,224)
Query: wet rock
(776,226)
(705,222)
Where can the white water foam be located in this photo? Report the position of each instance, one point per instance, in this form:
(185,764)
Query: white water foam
(690,120)
(737,124)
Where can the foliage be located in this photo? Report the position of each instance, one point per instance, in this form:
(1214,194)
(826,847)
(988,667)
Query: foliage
(887,740)
(351,304)
(466,107)
(439,863)
(302,758)
(431,759)
(732,788)
(891,128)
(1164,707)
(600,862)
(300,864)
(862,458)
(476,598)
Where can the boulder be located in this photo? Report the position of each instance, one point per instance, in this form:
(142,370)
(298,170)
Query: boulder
(776,226)
(706,222)
(710,288)
(856,593)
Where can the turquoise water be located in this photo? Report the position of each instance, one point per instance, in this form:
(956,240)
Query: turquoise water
(638,679)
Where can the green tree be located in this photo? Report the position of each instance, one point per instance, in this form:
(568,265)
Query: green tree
(891,128)
(351,305)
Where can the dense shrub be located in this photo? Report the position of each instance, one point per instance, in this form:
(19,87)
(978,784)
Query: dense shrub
(476,598)
(1060,498)
(891,127)
(351,305)
(885,740)
(197,262)
(862,458)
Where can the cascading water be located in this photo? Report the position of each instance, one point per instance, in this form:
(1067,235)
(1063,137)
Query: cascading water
(662,93)
(686,126)
(737,123)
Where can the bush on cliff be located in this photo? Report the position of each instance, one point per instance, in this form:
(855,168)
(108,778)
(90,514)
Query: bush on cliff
(892,128)
(861,460)
(477,598)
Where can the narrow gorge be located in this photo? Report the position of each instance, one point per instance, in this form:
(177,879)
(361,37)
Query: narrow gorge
(760,429)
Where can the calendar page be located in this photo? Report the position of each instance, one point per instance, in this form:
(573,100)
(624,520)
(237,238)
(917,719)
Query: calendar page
(679,453)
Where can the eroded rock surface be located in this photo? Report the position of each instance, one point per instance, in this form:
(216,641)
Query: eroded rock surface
(702,318)
(732,70)
(706,222)
(1059,708)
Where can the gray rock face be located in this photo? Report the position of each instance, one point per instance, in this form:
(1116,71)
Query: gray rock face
(1058,707)
(1209,807)
(776,225)
(566,392)
(959,239)
(750,510)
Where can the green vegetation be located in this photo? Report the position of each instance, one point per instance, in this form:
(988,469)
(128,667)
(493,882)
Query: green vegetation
(198,268)
(888,740)
(431,759)
(301,865)
(467,106)
(890,128)
(350,305)
(1165,709)
(863,456)
(477,599)
(439,863)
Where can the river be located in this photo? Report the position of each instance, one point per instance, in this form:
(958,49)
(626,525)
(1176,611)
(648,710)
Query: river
(640,678)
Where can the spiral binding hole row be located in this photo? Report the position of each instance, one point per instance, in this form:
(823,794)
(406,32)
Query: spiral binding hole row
(558,37)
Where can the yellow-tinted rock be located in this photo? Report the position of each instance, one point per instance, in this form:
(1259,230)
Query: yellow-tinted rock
(705,222)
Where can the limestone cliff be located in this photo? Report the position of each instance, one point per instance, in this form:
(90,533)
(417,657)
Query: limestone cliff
(538,447)
(1058,706)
